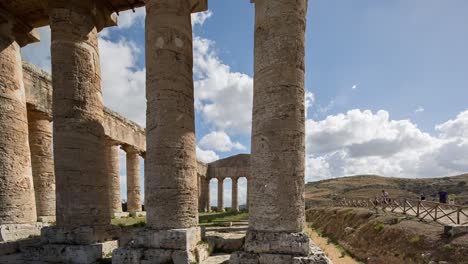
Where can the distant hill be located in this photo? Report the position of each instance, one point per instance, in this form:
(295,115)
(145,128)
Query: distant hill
(368,186)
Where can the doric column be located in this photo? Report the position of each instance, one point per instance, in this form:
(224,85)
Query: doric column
(42,161)
(133,180)
(79,144)
(113,177)
(171,179)
(278,148)
(235,194)
(208,195)
(220,194)
(276,188)
(17,205)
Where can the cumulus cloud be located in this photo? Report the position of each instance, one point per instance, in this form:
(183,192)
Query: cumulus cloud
(455,128)
(206,156)
(122,81)
(219,141)
(223,97)
(363,142)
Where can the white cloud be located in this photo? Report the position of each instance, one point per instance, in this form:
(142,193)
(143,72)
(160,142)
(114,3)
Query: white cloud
(223,97)
(420,109)
(455,128)
(206,156)
(122,81)
(361,142)
(219,141)
(200,17)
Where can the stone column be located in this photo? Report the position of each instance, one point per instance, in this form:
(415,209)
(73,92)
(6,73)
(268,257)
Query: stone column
(42,160)
(220,194)
(235,194)
(113,177)
(17,205)
(277,207)
(247,194)
(133,180)
(79,144)
(208,195)
(171,179)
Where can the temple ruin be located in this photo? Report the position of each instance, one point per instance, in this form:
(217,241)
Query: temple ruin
(77,184)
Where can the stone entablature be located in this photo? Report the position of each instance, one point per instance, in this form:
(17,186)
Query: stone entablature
(38,85)
(35,13)
(231,167)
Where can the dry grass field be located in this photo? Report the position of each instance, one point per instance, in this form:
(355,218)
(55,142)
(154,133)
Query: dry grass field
(368,186)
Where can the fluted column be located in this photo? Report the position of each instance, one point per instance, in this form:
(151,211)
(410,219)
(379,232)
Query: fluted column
(17,205)
(42,161)
(220,194)
(113,177)
(171,178)
(79,143)
(278,122)
(133,180)
(235,194)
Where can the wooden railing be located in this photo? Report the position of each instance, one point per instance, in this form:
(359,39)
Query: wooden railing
(424,210)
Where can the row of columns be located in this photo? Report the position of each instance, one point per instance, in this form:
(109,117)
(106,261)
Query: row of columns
(277,161)
(205,194)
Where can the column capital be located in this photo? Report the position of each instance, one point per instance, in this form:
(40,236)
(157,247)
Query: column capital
(18,31)
(102,13)
(130,149)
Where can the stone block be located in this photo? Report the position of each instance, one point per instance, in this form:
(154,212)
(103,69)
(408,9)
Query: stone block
(13,232)
(277,243)
(127,256)
(177,239)
(73,254)
(83,235)
(454,230)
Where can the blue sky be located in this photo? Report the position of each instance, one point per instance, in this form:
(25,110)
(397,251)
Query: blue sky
(386,83)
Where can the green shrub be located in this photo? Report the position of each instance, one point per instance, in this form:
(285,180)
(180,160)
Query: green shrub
(379,226)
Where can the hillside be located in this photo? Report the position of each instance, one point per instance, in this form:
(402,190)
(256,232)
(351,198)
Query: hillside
(368,186)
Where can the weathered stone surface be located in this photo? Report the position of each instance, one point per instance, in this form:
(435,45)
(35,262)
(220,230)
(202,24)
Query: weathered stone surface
(16,184)
(133,180)
(12,232)
(81,184)
(147,246)
(225,241)
(82,235)
(235,166)
(171,166)
(42,161)
(277,243)
(73,254)
(181,239)
(152,256)
(276,188)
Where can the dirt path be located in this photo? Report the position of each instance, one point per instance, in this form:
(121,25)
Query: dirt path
(333,253)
